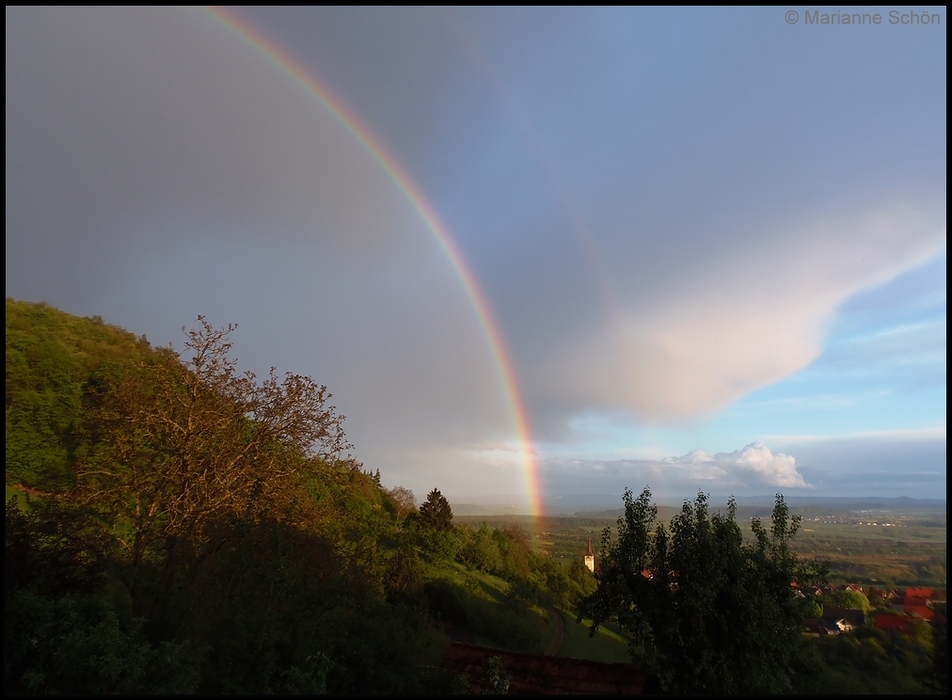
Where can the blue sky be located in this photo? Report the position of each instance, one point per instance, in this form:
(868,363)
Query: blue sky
(713,241)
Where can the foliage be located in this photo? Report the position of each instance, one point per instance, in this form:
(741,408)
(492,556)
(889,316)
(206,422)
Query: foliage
(405,575)
(497,680)
(850,600)
(44,553)
(939,676)
(403,500)
(871,660)
(190,528)
(78,644)
(706,612)
(479,549)
(439,545)
(177,445)
(583,580)
(436,513)
(49,356)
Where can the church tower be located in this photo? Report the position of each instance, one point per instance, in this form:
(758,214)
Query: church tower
(590,557)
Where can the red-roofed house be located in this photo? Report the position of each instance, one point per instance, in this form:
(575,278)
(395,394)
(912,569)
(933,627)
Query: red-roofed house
(917,596)
(898,623)
(923,611)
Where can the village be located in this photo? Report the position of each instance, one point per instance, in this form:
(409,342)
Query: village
(898,609)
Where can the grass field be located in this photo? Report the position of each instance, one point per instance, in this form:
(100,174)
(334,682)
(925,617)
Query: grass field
(492,619)
(853,531)
(606,645)
(485,590)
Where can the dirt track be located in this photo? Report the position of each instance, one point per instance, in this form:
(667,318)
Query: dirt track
(556,642)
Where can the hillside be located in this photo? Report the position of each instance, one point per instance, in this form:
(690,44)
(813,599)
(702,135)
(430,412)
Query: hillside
(50,358)
(175,526)
(175,519)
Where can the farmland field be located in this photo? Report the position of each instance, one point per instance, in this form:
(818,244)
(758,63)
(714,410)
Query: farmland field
(901,548)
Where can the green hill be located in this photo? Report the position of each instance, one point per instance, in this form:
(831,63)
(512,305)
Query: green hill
(175,526)
(190,527)
(50,357)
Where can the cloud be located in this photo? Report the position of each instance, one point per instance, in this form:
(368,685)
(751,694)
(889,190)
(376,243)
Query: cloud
(709,334)
(757,463)
(910,436)
(754,466)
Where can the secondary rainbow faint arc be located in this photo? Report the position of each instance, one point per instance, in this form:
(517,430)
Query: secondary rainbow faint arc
(418,200)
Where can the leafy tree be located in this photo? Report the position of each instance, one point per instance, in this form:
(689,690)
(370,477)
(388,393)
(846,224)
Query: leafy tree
(707,613)
(49,356)
(498,680)
(851,600)
(405,575)
(46,555)
(436,513)
(481,551)
(439,545)
(179,441)
(403,499)
(583,580)
(79,645)
(515,551)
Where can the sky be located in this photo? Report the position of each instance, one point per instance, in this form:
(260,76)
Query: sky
(533,253)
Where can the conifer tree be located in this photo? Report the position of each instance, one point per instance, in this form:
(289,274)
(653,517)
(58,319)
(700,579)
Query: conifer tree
(436,513)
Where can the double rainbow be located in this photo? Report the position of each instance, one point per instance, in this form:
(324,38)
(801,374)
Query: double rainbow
(416,198)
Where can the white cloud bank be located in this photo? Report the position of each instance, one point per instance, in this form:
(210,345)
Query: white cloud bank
(753,466)
(713,332)
(754,463)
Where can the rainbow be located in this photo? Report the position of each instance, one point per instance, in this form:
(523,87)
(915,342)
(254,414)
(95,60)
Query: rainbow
(418,201)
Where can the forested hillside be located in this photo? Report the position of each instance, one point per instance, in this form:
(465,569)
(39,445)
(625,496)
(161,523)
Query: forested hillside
(178,526)
(175,525)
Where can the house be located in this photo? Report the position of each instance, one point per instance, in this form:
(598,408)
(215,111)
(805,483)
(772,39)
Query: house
(534,674)
(917,596)
(837,625)
(813,627)
(856,618)
(916,601)
(923,611)
(899,623)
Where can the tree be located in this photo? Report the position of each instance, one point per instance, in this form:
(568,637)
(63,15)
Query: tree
(707,613)
(435,513)
(179,441)
(583,580)
(480,551)
(851,600)
(403,500)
